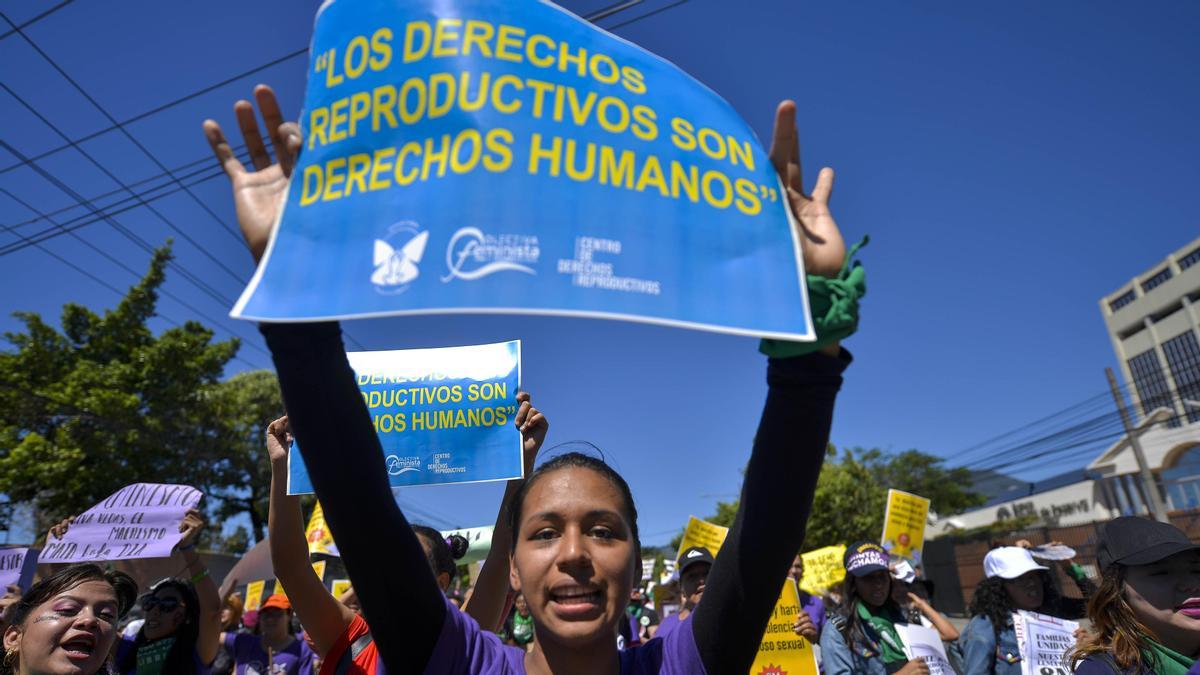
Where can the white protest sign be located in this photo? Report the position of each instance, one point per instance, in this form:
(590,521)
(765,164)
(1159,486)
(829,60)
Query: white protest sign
(1044,642)
(14,561)
(925,644)
(138,521)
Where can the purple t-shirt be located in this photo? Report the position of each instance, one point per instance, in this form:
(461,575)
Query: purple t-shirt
(815,608)
(247,652)
(668,626)
(463,649)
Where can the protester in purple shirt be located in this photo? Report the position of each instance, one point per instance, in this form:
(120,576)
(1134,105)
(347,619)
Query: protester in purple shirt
(575,551)
(274,645)
(809,624)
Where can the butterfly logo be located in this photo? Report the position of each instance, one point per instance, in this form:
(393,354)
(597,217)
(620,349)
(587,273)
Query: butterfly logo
(396,266)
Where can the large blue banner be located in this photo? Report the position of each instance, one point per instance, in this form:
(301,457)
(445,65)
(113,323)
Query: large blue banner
(443,415)
(507,156)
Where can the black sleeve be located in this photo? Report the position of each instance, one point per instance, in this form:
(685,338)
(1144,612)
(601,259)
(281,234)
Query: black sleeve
(777,495)
(400,598)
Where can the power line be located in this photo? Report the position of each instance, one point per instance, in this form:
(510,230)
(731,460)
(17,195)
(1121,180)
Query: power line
(241,152)
(162,107)
(125,132)
(126,232)
(136,275)
(97,215)
(647,15)
(37,18)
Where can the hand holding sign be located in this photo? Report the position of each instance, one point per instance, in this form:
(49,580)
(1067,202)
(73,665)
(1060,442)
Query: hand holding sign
(143,520)
(278,441)
(258,195)
(533,426)
(824,248)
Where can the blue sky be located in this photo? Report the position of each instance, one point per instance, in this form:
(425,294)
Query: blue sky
(1013,163)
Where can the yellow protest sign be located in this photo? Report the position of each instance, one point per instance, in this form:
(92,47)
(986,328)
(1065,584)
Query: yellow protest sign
(320,540)
(319,568)
(254,594)
(782,652)
(823,569)
(702,533)
(339,587)
(904,525)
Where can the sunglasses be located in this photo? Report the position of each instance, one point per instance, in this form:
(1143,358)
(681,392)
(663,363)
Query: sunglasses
(163,604)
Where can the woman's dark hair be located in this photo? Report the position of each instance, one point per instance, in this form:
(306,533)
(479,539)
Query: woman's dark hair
(442,552)
(852,627)
(182,657)
(1117,629)
(576,460)
(991,600)
(64,580)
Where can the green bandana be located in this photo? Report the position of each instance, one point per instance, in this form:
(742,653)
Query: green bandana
(1165,661)
(152,656)
(834,306)
(891,647)
(522,630)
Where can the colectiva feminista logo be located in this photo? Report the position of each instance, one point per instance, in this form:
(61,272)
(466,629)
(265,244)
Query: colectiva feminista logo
(396,257)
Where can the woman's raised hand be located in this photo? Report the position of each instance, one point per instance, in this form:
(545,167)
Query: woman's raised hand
(258,194)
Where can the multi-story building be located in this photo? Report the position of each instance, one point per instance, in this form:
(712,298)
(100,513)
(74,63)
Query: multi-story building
(1153,321)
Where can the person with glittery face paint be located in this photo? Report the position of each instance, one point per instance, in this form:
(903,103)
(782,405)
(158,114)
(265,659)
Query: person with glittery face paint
(67,623)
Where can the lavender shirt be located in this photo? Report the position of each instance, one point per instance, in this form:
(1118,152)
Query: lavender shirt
(463,649)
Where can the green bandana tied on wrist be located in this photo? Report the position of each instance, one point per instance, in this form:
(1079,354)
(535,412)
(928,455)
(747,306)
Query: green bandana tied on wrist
(891,647)
(1165,661)
(834,305)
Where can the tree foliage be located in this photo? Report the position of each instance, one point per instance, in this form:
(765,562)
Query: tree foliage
(102,402)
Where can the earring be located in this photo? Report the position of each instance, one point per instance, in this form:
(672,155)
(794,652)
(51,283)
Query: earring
(10,656)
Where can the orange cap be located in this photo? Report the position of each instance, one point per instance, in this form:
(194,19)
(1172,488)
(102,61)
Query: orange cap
(276,600)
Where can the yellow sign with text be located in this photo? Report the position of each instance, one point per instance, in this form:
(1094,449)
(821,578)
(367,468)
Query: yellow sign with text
(254,594)
(782,652)
(320,539)
(904,525)
(702,533)
(339,587)
(823,569)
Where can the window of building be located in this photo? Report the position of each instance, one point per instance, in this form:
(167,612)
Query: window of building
(1183,356)
(1190,259)
(1182,481)
(1151,383)
(1157,280)
(1124,299)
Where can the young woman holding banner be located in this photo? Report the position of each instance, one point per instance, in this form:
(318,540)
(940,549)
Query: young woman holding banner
(339,634)
(1013,581)
(575,552)
(1146,611)
(67,622)
(183,616)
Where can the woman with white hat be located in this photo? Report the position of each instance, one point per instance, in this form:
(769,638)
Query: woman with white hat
(1014,581)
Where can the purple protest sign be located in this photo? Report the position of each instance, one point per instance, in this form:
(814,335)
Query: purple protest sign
(137,521)
(12,564)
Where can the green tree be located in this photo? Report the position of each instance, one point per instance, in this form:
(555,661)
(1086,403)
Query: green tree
(105,402)
(851,493)
(247,403)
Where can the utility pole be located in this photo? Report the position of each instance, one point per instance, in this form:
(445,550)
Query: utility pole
(1157,508)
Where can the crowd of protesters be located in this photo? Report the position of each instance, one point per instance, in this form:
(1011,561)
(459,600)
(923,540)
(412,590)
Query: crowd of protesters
(561,588)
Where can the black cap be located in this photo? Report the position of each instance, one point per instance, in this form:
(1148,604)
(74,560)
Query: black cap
(865,557)
(1130,540)
(694,554)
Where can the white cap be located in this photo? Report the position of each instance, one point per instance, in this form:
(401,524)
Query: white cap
(902,571)
(1009,562)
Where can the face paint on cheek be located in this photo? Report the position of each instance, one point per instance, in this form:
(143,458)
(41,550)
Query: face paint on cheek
(49,616)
